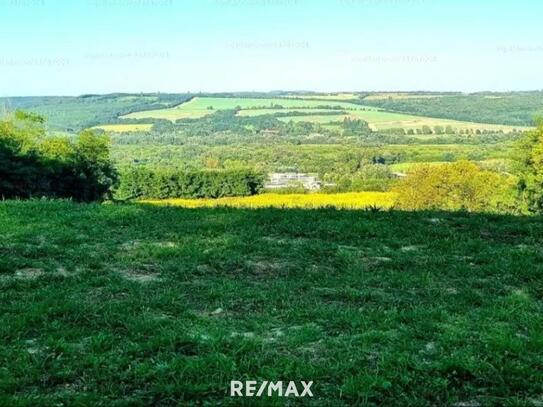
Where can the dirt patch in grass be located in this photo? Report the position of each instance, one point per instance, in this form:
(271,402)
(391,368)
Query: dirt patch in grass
(262,268)
(29,273)
(140,276)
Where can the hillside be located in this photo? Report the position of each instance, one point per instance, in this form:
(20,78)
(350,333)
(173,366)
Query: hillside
(67,113)
(315,110)
(151,305)
(515,108)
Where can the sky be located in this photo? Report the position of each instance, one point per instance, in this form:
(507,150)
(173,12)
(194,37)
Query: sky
(73,47)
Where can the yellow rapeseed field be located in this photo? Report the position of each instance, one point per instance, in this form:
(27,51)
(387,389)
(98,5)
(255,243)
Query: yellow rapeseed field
(351,200)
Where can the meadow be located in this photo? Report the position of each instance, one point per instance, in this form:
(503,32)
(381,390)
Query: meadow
(203,106)
(200,107)
(146,305)
(355,200)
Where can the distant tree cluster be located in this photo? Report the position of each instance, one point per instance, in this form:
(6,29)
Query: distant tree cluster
(516,109)
(34,165)
(162,183)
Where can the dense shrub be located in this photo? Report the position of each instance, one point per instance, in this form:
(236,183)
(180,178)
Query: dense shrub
(369,177)
(459,186)
(142,182)
(34,165)
(530,159)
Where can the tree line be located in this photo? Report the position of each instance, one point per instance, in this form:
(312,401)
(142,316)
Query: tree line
(142,182)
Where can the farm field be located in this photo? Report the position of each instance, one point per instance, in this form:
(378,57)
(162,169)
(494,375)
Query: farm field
(335,96)
(379,120)
(354,200)
(202,106)
(401,95)
(122,128)
(151,304)
(261,112)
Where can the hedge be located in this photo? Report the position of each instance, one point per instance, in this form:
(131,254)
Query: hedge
(146,183)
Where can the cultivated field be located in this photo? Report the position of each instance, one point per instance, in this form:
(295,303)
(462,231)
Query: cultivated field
(202,106)
(401,96)
(377,119)
(354,200)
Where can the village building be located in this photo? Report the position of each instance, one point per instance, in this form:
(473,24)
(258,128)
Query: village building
(280,180)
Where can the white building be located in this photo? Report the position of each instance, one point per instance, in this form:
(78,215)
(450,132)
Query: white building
(280,180)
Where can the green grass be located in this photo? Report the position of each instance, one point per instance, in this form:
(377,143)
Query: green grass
(200,106)
(140,305)
(379,120)
(261,112)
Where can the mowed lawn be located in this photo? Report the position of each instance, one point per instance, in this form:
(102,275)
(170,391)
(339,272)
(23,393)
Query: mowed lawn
(144,305)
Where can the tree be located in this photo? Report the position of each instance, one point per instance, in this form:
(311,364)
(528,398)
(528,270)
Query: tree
(529,156)
(427,129)
(33,164)
(459,186)
(93,165)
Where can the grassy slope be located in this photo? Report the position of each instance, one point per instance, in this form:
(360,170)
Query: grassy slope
(156,305)
(198,107)
(78,113)
(519,108)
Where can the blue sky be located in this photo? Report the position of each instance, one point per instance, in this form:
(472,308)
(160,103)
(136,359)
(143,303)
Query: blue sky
(61,47)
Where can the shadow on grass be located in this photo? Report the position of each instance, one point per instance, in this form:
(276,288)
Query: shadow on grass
(162,305)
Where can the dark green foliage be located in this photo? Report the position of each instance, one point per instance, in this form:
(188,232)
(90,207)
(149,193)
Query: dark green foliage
(74,114)
(353,128)
(516,109)
(369,177)
(161,183)
(529,156)
(33,165)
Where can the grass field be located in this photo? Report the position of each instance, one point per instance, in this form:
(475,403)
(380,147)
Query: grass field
(401,96)
(261,112)
(500,165)
(378,120)
(200,106)
(355,200)
(124,128)
(404,167)
(335,96)
(145,305)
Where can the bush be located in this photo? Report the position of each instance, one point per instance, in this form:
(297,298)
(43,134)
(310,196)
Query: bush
(33,165)
(530,161)
(459,186)
(142,182)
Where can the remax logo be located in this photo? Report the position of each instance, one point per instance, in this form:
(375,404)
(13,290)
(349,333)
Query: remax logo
(252,388)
